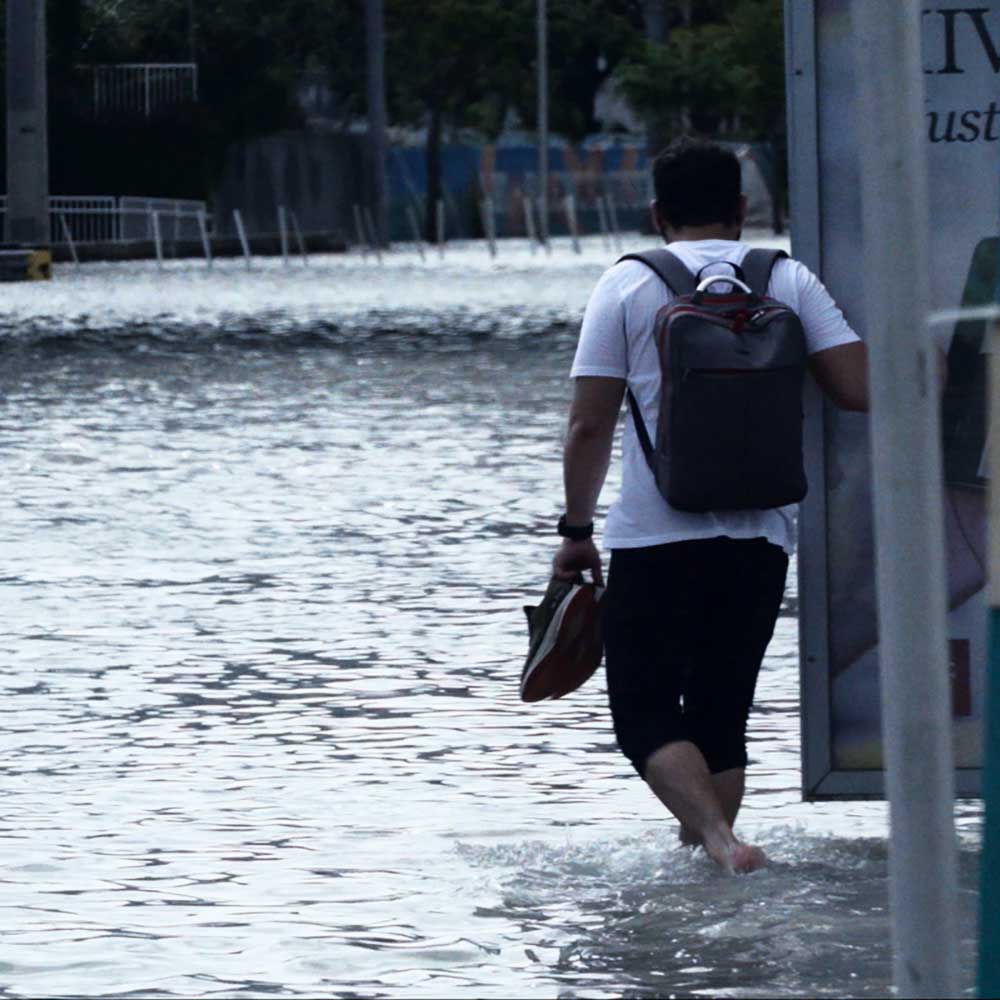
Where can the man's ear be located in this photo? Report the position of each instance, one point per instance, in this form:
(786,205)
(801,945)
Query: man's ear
(743,210)
(658,224)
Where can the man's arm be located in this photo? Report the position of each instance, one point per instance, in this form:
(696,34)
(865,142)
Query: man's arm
(842,373)
(593,415)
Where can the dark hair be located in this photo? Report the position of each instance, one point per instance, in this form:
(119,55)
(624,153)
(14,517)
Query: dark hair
(697,183)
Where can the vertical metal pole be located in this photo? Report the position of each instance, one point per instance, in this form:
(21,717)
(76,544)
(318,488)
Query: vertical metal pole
(989,901)
(529,222)
(68,237)
(298,238)
(242,233)
(146,83)
(491,222)
(372,234)
(375,36)
(486,213)
(283,234)
(27,124)
(570,203)
(205,243)
(440,228)
(543,224)
(907,486)
(192,40)
(609,200)
(602,221)
(415,227)
(359,228)
(543,124)
(157,238)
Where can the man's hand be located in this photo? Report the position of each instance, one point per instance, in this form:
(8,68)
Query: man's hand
(575,557)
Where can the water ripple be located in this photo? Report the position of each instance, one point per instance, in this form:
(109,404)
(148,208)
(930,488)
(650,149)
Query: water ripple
(266,544)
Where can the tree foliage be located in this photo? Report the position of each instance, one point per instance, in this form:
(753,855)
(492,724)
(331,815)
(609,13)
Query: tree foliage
(721,77)
(450,64)
(469,63)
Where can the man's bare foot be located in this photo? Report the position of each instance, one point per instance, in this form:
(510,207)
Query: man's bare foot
(747,858)
(733,857)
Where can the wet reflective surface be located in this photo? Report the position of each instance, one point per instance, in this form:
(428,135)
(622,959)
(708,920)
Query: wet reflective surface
(266,539)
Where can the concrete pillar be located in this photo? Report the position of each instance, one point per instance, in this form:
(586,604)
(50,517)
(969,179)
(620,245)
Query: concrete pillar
(27,219)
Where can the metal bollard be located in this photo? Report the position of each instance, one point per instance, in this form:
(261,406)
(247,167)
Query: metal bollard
(440,228)
(205,244)
(283,234)
(242,233)
(157,238)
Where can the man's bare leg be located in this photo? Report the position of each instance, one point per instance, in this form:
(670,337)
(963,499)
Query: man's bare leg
(729,786)
(679,776)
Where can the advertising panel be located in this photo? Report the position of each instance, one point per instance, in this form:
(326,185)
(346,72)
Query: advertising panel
(842,751)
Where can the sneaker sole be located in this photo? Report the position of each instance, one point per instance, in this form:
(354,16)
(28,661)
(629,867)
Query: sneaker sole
(560,665)
(587,652)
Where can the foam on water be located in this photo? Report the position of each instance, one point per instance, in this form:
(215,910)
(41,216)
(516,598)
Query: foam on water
(655,919)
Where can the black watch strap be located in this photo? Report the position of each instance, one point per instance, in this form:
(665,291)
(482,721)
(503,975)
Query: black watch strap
(574,532)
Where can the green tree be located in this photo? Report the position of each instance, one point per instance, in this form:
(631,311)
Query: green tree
(443,59)
(251,54)
(251,57)
(722,77)
(588,40)
(466,63)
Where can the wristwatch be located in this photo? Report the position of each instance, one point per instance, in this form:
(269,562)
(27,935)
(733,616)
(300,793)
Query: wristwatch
(574,532)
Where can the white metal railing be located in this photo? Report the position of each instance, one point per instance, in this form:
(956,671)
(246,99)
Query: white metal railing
(178,218)
(142,88)
(106,219)
(90,220)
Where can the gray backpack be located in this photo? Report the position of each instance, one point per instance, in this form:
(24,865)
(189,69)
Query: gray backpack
(729,431)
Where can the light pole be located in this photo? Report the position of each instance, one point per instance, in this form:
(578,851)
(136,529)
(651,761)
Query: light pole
(27,219)
(543,124)
(377,143)
(192,35)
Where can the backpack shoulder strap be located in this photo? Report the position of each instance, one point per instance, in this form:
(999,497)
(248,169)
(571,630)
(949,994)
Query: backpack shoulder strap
(672,271)
(758,265)
(674,274)
(640,428)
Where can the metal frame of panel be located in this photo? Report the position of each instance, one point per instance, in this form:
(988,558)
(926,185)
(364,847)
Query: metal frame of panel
(803,146)
(819,778)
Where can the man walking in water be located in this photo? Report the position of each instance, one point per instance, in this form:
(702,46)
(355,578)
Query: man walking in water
(692,598)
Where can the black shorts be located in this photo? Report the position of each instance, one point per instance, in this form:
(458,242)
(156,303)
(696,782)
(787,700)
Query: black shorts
(685,628)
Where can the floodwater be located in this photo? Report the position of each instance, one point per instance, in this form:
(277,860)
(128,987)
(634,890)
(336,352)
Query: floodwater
(266,540)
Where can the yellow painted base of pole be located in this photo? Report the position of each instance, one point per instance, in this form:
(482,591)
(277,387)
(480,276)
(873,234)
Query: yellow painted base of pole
(25,265)
(40,265)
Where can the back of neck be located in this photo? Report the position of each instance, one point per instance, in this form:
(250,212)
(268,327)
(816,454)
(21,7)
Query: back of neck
(691,234)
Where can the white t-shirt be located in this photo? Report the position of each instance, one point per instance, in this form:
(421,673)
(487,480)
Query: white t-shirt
(616,341)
